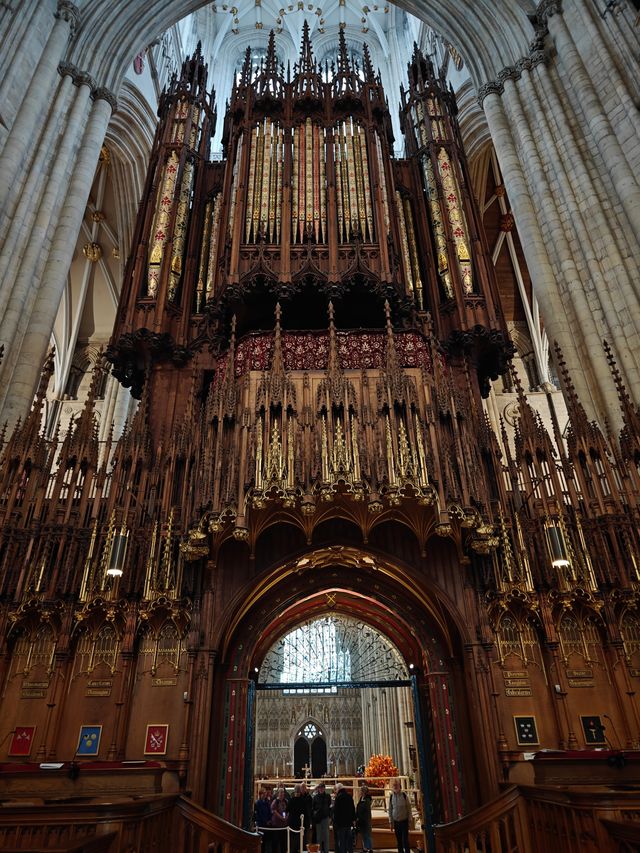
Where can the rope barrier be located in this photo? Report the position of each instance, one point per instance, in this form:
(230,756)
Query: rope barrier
(290,831)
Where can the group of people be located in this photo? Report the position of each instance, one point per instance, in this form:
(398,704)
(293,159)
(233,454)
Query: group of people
(274,813)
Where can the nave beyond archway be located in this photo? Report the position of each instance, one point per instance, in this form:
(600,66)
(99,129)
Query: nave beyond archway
(409,667)
(330,694)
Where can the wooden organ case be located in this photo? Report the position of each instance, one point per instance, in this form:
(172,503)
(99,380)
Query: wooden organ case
(310,324)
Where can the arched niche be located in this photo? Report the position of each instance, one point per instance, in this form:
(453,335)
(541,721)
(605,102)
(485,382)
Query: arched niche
(421,622)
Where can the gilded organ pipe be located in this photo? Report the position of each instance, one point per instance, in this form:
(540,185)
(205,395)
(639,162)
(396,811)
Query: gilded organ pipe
(337,159)
(456,217)
(256,186)
(322,192)
(279,167)
(353,185)
(263,215)
(308,136)
(161,221)
(265,156)
(213,247)
(366,181)
(179,122)
(413,252)
(234,185)
(438,226)
(383,182)
(180,228)
(294,183)
(204,257)
(409,282)
(308,184)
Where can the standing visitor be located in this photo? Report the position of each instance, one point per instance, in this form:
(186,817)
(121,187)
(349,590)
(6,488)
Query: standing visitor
(262,817)
(307,812)
(363,819)
(344,817)
(297,810)
(321,811)
(399,814)
(280,821)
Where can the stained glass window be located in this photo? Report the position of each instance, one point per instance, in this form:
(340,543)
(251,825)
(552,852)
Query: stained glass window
(332,650)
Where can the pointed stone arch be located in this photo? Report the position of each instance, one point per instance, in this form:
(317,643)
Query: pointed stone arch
(489,35)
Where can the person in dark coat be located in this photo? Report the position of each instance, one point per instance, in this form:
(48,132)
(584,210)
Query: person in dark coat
(344,817)
(320,816)
(363,819)
(262,817)
(297,808)
(308,811)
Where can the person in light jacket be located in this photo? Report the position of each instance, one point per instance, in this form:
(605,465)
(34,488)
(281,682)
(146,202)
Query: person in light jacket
(399,814)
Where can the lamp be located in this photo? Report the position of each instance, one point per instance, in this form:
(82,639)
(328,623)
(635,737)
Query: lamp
(118,553)
(557,546)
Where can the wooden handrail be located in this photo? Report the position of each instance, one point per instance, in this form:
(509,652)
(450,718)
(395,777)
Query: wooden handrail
(230,836)
(162,822)
(480,816)
(528,819)
(625,832)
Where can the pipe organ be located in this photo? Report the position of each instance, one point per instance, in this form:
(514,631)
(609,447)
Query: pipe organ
(310,324)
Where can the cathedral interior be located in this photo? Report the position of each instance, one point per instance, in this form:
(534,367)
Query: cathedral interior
(320,393)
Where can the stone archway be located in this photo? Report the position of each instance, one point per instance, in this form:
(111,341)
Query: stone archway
(489,34)
(527,79)
(426,628)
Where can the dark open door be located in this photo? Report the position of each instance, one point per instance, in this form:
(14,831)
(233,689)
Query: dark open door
(318,757)
(300,757)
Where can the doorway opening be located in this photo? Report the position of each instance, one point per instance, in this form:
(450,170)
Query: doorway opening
(310,752)
(331,693)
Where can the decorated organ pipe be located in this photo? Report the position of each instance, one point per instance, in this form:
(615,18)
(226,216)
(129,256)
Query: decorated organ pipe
(307,187)
(182,143)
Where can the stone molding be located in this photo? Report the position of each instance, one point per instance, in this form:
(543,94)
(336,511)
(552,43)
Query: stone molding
(83,78)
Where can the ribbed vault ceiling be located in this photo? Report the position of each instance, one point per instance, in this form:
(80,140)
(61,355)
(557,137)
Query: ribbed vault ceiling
(489,34)
(330,650)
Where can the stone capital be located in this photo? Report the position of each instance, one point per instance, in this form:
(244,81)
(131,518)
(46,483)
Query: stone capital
(547,9)
(79,78)
(511,72)
(538,57)
(68,11)
(104,94)
(493,87)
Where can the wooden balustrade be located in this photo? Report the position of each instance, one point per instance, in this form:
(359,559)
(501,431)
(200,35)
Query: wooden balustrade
(535,820)
(150,825)
(200,831)
(625,834)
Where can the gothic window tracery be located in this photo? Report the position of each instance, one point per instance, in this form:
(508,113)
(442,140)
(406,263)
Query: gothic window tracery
(579,636)
(518,638)
(630,631)
(33,649)
(165,648)
(95,649)
(329,651)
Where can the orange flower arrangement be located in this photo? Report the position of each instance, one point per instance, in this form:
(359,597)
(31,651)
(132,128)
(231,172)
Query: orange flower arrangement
(382,767)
